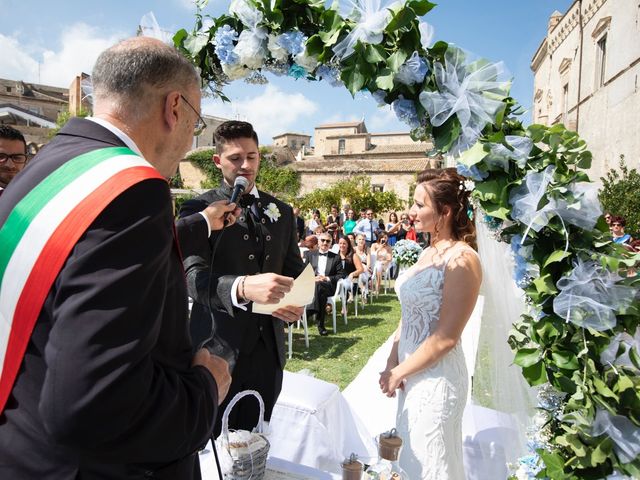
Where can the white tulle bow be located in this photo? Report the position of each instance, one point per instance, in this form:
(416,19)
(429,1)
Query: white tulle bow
(473,92)
(589,296)
(149,27)
(622,431)
(610,355)
(500,155)
(580,207)
(525,200)
(372,17)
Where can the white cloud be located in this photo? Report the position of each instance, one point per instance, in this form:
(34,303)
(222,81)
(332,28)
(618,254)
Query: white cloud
(15,63)
(272,112)
(80,46)
(384,120)
(341,117)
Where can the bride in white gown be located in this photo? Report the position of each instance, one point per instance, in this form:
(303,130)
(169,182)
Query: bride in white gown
(426,364)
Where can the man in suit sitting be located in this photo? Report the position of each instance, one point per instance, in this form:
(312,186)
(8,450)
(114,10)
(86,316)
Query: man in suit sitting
(328,269)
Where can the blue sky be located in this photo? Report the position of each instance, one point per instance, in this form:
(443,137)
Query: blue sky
(53,41)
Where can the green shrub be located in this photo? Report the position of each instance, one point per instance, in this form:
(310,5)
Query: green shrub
(356,191)
(620,195)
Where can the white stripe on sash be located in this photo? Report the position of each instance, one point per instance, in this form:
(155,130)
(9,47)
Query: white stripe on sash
(40,230)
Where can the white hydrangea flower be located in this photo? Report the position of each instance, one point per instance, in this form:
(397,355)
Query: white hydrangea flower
(277,52)
(308,62)
(251,48)
(235,71)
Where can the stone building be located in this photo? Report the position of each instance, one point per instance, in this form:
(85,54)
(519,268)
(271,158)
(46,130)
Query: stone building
(296,142)
(586,76)
(31,108)
(341,150)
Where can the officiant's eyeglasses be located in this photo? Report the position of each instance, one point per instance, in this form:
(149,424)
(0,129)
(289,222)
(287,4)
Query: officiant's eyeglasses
(200,124)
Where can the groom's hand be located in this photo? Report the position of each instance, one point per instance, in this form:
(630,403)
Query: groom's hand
(288,314)
(264,288)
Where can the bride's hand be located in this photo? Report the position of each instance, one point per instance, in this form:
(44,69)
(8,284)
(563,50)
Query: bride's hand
(389,383)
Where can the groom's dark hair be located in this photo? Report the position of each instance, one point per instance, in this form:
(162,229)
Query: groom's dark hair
(232,130)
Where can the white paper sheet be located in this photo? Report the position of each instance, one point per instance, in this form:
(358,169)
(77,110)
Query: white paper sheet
(300,295)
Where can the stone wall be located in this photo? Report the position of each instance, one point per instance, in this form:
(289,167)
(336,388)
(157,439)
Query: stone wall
(608,113)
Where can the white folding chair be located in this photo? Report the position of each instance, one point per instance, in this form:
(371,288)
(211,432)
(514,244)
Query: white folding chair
(386,276)
(374,277)
(306,332)
(340,294)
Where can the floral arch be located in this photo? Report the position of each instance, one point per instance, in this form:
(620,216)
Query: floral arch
(577,335)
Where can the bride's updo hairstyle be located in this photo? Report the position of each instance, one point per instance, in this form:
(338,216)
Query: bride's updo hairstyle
(445,187)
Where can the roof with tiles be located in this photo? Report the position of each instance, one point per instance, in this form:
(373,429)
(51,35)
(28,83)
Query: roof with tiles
(318,165)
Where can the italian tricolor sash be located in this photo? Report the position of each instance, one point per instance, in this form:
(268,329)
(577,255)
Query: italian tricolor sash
(41,231)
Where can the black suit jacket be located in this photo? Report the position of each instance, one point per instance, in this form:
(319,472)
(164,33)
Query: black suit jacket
(333,270)
(237,254)
(106,388)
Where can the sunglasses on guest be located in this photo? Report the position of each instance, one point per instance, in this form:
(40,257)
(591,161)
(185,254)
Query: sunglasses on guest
(616,224)
(325,240)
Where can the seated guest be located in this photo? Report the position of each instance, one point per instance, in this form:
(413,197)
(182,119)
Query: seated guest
(362,252)
(315,222)
(384,257)
(309,243)
(351,264)
(617,230)
(328,269)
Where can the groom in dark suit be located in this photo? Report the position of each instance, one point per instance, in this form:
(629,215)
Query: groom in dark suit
(328,269)
(255,260)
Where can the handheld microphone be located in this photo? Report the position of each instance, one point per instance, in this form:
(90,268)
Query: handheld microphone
(239,186)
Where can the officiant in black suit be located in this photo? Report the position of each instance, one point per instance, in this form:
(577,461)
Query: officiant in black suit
(255,260)
(328,269)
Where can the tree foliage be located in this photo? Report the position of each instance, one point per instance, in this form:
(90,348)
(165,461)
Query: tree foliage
(619,195)
(63,118)
(356,191)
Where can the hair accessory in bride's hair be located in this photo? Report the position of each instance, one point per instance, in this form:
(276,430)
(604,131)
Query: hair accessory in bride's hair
(467,185)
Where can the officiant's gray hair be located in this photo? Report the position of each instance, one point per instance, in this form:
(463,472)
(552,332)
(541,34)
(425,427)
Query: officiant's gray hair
(130,74)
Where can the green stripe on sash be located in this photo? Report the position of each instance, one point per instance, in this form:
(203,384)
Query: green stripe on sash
(25,211)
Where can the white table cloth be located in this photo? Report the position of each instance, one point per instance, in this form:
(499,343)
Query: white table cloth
(312,424)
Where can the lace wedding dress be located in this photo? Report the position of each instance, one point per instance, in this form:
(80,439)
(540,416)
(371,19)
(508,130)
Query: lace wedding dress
(430,408)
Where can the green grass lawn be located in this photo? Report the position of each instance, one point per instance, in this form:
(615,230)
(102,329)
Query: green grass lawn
(338,357)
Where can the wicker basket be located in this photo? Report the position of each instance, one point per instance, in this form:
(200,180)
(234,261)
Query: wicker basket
(246,452)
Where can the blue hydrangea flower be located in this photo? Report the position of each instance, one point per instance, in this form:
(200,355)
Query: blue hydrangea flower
(296,71)
(378,96)
(472,172)
(293,42)
(493,223)
(405,110)
(223,40)
(330,75)
(413,70)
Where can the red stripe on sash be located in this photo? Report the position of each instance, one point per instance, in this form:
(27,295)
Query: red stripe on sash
(50,262)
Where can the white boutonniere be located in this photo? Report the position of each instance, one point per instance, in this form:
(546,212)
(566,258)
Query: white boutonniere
(272,212)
